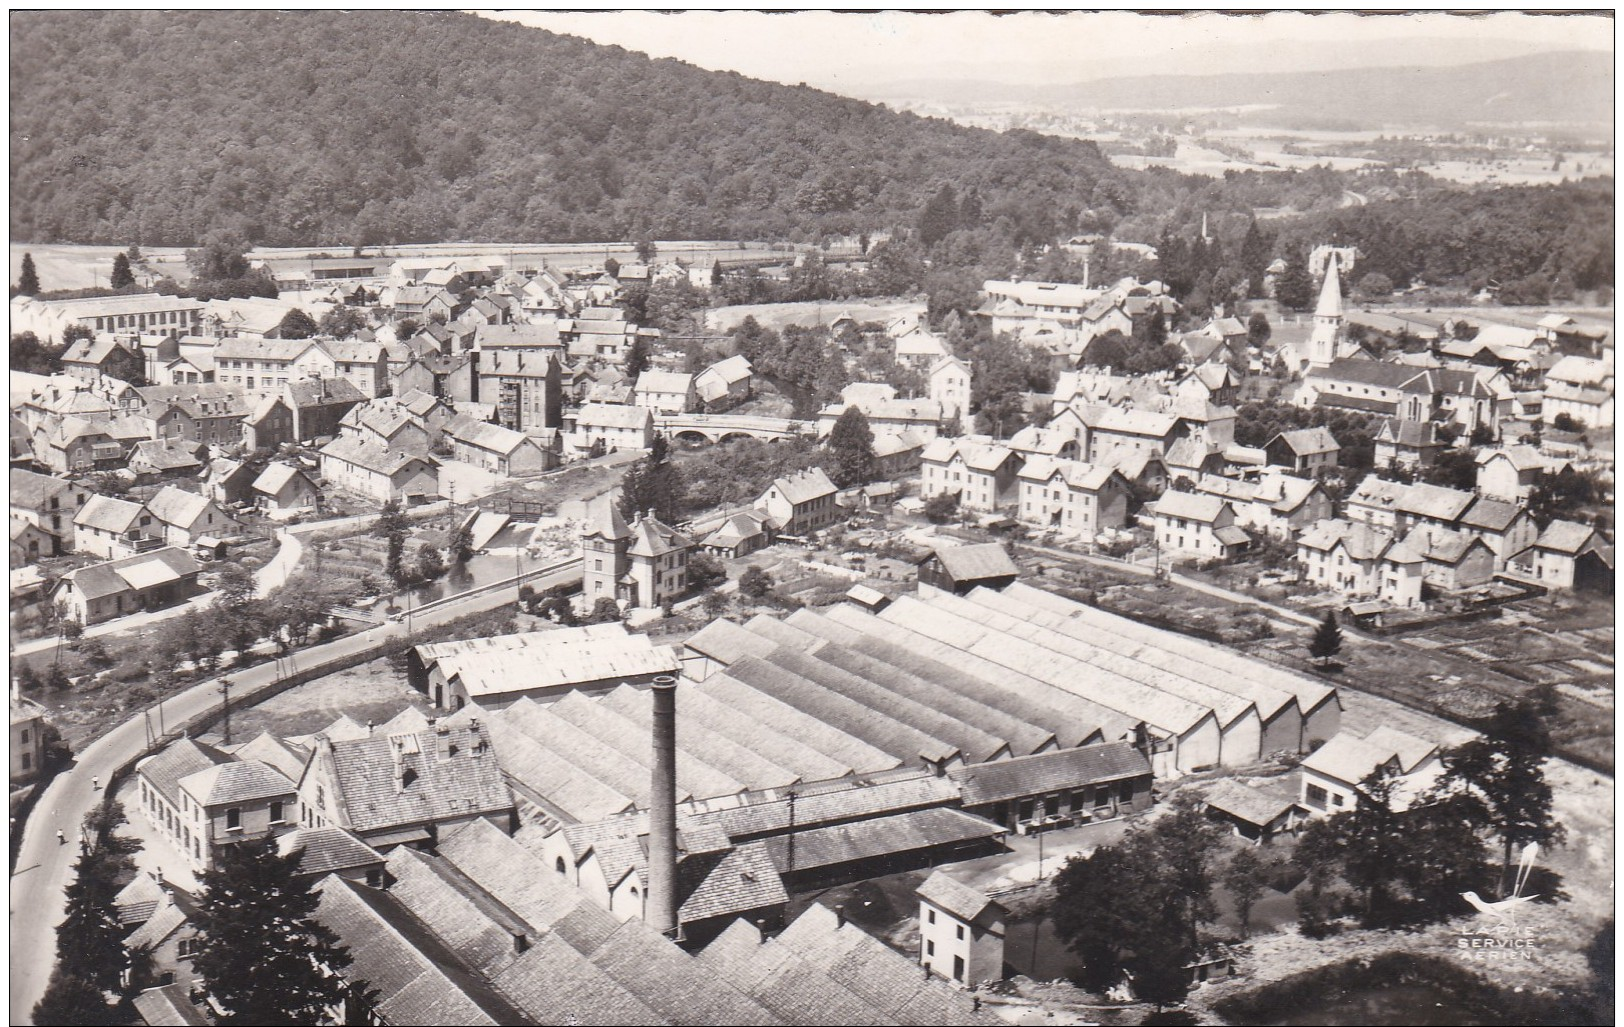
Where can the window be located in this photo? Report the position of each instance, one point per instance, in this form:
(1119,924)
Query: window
(1125,791)
(959,931)
(1317,796)
(276,812)
(23,740)
(186,947)
(958,968)
(28,761)
(233,819)
(930,948)
(930,916)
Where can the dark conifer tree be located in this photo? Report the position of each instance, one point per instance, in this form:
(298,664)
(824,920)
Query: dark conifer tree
(28,280)
(122,275)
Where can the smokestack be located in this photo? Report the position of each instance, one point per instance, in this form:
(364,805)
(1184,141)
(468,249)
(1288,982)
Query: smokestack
(662,814)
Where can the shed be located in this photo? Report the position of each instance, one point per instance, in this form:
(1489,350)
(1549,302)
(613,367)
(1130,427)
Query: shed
(958,569)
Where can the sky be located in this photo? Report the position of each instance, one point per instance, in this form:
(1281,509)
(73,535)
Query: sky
(845,52)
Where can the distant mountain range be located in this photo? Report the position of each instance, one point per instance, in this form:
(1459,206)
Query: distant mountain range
(1574,87)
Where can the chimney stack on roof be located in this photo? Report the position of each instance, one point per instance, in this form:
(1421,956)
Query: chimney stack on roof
(662,855)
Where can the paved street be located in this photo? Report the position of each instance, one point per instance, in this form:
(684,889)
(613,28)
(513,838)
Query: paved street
(43,866)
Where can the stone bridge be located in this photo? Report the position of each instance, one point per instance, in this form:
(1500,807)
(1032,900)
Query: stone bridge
(710,428)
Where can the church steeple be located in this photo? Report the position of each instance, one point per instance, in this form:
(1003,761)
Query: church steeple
(1322,344)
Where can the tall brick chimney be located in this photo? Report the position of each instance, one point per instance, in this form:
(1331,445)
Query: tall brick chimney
(662,813)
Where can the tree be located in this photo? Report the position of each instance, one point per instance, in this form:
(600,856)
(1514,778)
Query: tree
(74,332)
(461,546)
(70,999)
(1245,877)
(430,563)
(394,527)
(296,324)
(28,285)
(652,484)
(1375,285)
(1097,911)
(851,445)
(1566,422)
(611,267)
(264,957)
(1294,287)
(755,583)
(1257,329)
(31,355)
(1504,768)
(121,275)
(942,507)
(90,941)
(637,357)
(604,611)
(341,321)
(704,570)
(1327,640)
(646,250)
(234,586)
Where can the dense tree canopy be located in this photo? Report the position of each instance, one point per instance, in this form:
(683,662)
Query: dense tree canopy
(355,126)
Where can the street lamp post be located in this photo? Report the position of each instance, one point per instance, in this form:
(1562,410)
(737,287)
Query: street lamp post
(225,727)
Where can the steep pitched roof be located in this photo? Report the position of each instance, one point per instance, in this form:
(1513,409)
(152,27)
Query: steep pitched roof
(105,513)
(237,781)
(181,758)
(177,506)
(325,850)
(437,786)
(805,486)
(1309,441)
(960,900)
(1195,506)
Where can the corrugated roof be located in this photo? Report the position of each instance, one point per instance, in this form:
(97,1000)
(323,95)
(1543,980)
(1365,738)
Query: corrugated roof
(839,746)
(857,801)
(1071,717)
(1112,629)
(1061,770)
(694,775)
(749,766)
(773,677)
(878,837)
(603,761)
(563,663)
(785,749)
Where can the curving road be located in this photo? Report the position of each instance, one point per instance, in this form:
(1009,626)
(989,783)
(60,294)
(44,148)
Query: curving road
(44,866)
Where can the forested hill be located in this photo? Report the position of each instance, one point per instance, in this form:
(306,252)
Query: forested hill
(368,127)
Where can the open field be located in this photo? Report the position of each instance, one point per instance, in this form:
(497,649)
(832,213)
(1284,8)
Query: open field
(72,266)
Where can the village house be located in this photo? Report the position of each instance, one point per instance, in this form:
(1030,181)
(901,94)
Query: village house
(1275,503)
(204,799)
(724,384)
(26,741)
(1305,451)
(1191,525)
(1408,444)
(949,380)
(897,455)
(1333,774)
(1508,528)
(49,504)
(616,427)
(961,932)
(740,535)
(115,528)
(363,364)
(920,350)
(1581,388)
(983,474)
(1032,441)
(1361,562)
(1111,427)
(102,591)
(229,482)
(1511,472)
(1567,555)
(184,517)
(72,444)
(104,355)
(204,413)
(885,412)
(1076,498)
(1455,561)
(500,450)
(384,422)
(29,543)
(283,489)
(155,461)
(450,378)
(665,392)
(801,503)
(378,473)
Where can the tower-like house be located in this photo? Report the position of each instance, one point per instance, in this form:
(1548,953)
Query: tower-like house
(643,563)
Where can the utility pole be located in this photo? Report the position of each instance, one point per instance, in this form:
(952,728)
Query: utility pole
(225,690)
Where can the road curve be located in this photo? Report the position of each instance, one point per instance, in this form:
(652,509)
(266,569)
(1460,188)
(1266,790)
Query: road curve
(43,866)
